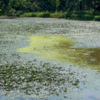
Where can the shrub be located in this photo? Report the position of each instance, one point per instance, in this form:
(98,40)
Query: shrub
(58,15)
(46,14)
(54,15)
(96,13)
(79,16)
(18,13)
(39,14)
(0,12)
(97,18)
(85,17)
(26,15)
(68,15)
(83,12)
(73,16)
(43,14)
(11,12)
(33,15)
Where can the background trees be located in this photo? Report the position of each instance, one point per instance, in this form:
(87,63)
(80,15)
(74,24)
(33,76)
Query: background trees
(22,6)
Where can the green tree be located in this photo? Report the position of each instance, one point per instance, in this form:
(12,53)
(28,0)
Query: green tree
(18,6)
(57,5)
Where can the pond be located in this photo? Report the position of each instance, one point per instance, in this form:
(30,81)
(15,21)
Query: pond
(49,59)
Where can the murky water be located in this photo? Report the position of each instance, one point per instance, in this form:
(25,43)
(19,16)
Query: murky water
(49,59)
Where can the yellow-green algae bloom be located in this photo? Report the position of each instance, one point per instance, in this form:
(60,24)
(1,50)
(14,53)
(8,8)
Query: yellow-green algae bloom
(61,48)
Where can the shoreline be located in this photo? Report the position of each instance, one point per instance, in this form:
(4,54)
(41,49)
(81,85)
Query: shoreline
(72,16)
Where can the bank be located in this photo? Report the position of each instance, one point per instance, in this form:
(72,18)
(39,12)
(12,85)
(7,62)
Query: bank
(84,15)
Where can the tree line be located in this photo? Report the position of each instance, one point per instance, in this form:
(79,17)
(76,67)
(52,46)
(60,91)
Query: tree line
(22,6)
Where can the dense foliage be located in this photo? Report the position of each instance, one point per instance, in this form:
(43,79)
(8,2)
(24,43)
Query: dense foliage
(8,6)
(74,9)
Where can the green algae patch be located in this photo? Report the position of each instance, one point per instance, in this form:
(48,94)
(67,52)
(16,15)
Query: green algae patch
(49,47)
(61,48)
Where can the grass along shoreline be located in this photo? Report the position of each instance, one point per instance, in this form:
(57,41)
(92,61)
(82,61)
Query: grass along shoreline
(85,15)
(66,15)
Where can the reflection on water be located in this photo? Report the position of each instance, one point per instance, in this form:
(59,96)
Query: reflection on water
(61,49)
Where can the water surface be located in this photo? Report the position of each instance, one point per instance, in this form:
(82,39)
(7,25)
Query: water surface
(60,59)
(61,48)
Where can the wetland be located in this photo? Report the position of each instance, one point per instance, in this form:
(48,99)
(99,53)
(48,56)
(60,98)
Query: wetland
(49,59)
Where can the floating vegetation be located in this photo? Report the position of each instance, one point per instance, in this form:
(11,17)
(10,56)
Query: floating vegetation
(24,74)
(60,48)
(41,79)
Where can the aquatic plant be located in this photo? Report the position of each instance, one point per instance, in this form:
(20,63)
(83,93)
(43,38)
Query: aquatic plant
(36,78)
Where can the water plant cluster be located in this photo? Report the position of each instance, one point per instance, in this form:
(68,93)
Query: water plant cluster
(25,74)
(40,78)
(31,77)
